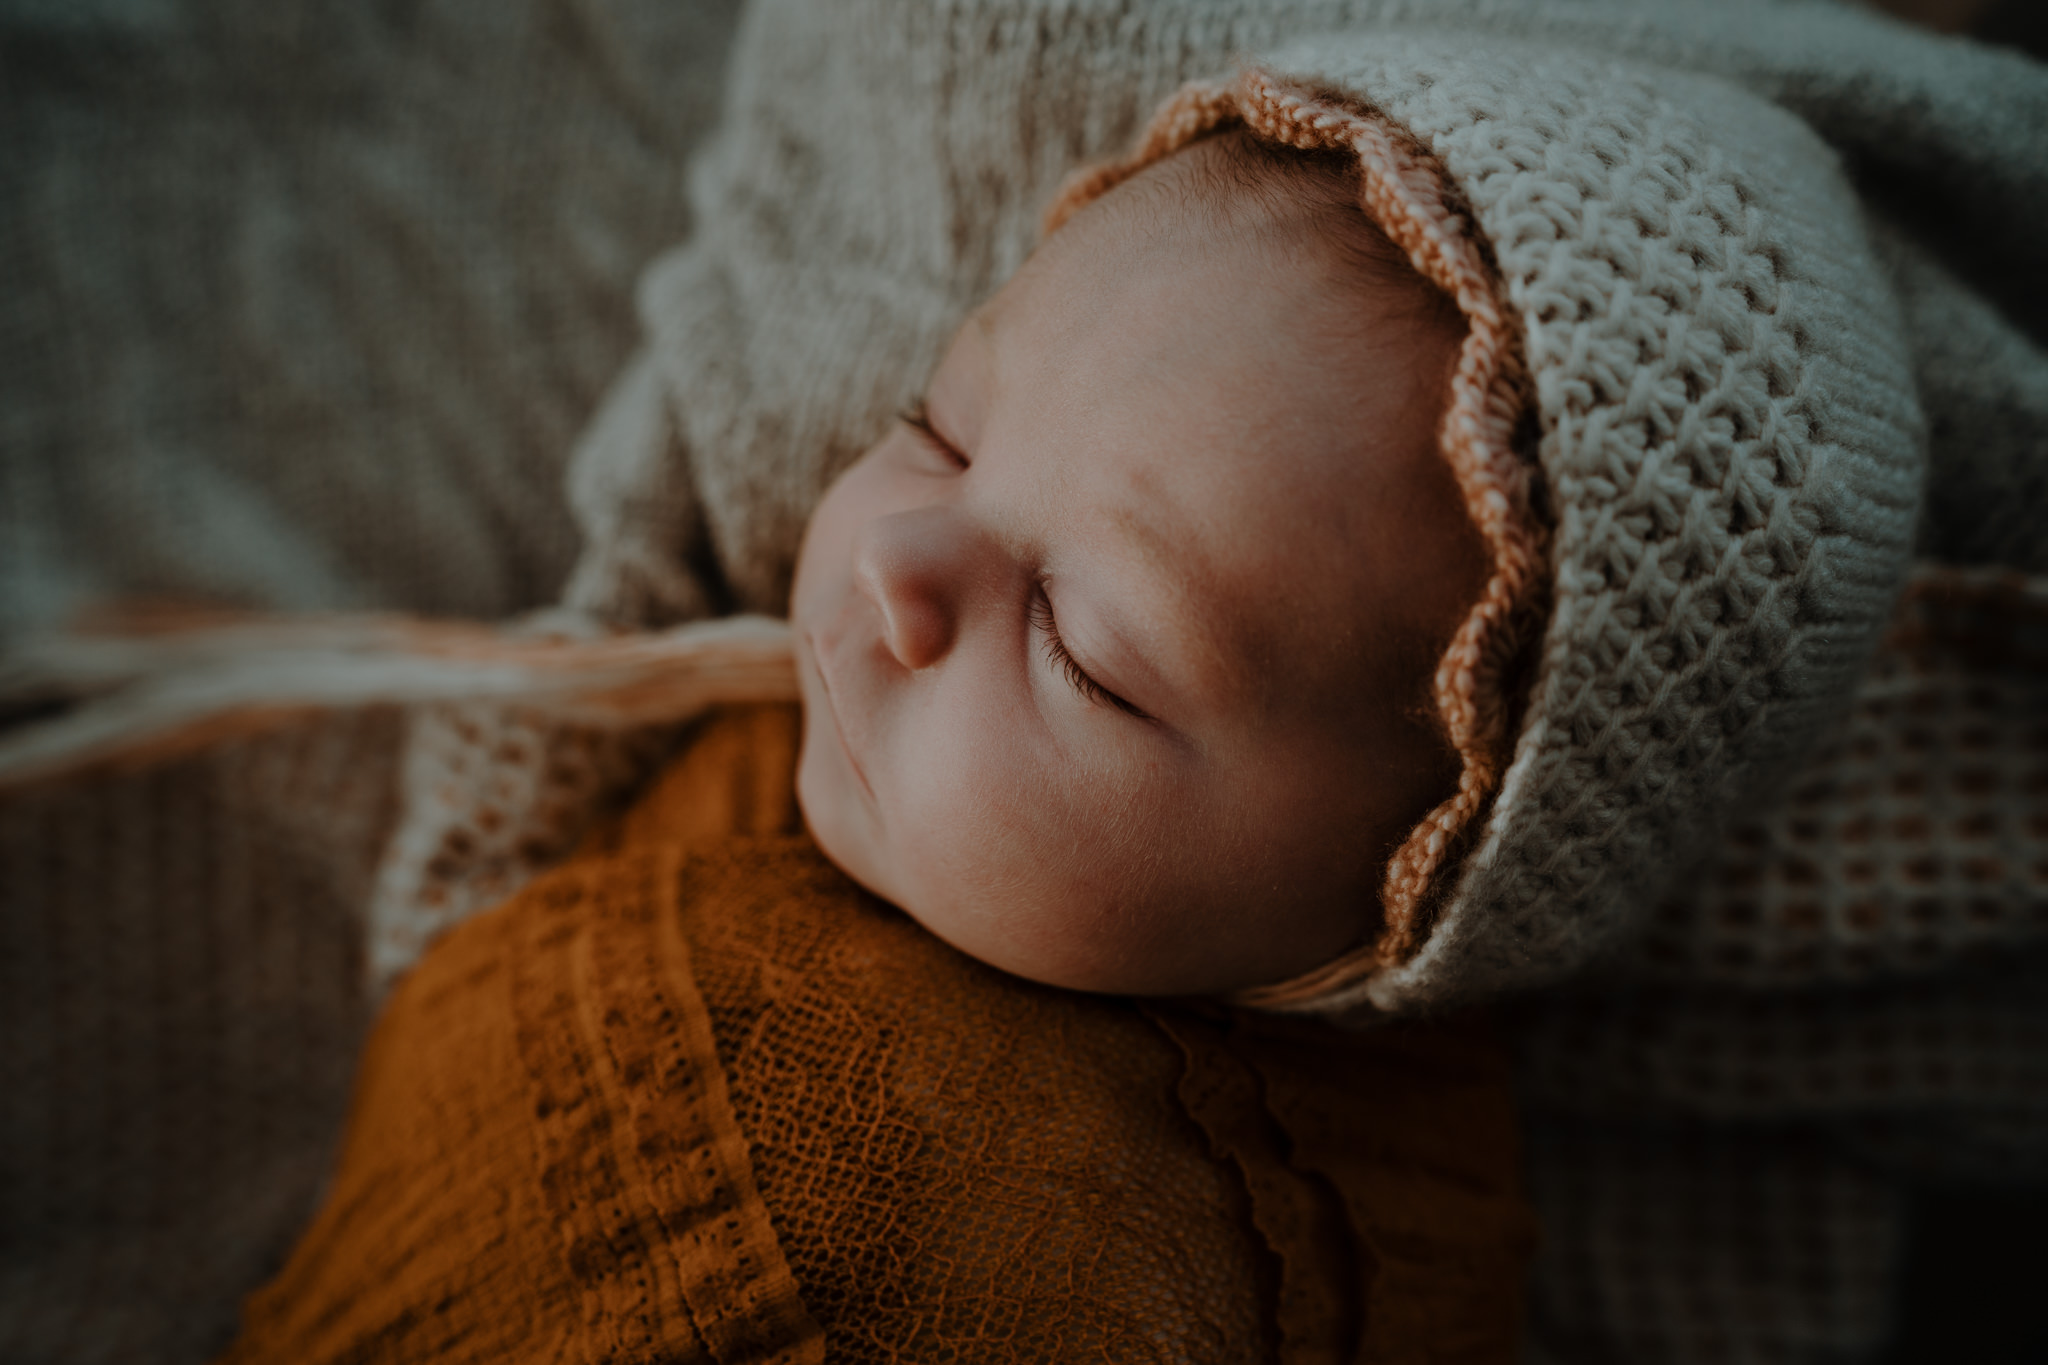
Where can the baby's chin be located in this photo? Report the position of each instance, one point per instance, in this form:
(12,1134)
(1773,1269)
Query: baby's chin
(1039,942)
(1064,939)
(833,812)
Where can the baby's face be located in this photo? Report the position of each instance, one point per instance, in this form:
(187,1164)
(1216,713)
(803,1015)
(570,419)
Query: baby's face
(1115,668)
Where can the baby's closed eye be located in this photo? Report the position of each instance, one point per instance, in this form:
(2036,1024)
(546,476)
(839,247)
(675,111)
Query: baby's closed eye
(919,420)
(1077,677)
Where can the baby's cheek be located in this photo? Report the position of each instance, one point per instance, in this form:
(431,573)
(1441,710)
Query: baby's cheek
(1001,866)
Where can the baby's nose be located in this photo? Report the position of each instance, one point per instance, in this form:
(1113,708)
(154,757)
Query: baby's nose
(908,565)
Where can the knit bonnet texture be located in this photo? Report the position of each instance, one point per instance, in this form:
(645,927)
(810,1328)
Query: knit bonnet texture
(1724,428)
(1731,452)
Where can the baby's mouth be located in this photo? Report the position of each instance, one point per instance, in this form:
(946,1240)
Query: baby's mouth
(816,658)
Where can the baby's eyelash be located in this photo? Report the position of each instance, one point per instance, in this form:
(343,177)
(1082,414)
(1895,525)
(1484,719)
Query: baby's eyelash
(919,420)
(1056,650)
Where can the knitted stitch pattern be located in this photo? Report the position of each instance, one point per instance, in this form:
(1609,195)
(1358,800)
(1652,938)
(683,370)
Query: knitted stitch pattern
(1731,452)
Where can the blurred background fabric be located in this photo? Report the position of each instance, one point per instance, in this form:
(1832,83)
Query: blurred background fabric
(307,302)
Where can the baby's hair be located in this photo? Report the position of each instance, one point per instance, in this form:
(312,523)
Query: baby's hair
(1239,167)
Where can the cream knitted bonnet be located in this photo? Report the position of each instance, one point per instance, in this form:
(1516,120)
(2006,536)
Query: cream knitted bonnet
(1669,278)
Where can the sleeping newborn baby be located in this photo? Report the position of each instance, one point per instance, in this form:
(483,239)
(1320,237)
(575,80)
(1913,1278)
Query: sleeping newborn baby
(1202,630)
(1115,651)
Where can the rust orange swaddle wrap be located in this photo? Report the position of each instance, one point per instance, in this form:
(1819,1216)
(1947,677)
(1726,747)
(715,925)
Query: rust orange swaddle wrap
(696,1097)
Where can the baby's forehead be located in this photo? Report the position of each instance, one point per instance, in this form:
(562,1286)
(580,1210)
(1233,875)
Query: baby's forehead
(1235,201)
(1257,191)
(1252,570)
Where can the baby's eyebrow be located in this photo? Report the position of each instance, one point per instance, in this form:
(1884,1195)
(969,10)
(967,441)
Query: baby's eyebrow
(976,340)
(984,329)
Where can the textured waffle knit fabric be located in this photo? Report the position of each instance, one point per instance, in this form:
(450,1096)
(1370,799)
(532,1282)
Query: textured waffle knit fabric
(1727,444)
(693,1096)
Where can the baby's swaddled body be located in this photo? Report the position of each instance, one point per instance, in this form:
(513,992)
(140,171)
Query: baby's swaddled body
(695,1096)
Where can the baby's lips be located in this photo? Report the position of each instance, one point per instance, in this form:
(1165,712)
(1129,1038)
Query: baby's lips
(815,662)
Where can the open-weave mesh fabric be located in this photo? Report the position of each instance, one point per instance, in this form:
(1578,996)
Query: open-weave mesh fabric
(1868,954)
(495,795)
(694,1096)
(949,1185)
(1007,1176)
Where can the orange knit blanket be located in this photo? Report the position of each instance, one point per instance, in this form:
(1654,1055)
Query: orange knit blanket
(697,1097)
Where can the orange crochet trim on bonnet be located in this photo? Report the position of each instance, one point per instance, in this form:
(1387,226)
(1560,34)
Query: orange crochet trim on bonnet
(1407,194)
